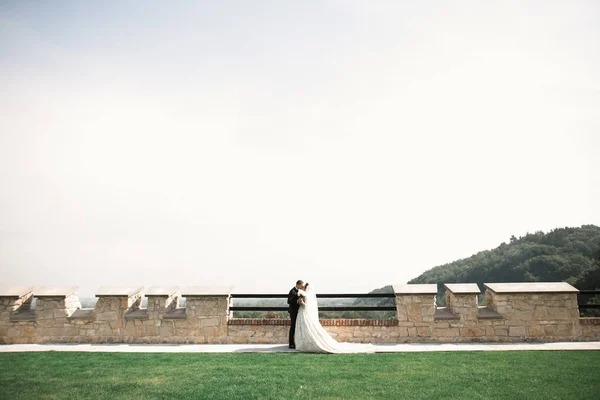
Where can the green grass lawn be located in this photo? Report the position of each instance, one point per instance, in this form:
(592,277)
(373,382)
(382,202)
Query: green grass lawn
(459,375)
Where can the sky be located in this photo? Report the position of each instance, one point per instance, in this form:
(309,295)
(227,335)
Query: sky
(351,144)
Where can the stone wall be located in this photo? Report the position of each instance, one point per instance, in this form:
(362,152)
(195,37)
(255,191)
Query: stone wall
(259,330)
(514,312)
(539,315)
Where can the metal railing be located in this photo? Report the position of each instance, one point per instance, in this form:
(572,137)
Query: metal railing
(319,296)
(584,296)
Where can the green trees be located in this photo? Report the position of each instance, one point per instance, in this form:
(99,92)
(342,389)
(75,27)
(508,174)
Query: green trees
(564,254)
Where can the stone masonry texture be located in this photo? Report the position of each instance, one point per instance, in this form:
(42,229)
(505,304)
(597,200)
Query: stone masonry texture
(518,316)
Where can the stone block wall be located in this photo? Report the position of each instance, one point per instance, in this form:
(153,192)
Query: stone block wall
(416,309)
(258,330)
(116,317)
(10,304)
(514,312)
(535,314)
(158,306)
(52,317)
(590,328)
(10,329)
(461,299)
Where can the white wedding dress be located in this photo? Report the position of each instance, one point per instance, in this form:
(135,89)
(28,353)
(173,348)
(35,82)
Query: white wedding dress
(311,337)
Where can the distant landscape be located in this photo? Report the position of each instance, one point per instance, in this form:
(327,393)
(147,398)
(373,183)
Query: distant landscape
(563,254)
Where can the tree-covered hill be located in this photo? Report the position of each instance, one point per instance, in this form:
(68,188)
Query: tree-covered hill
(564,254)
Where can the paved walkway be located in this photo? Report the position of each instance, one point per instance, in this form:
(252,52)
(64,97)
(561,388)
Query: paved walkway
(274,348)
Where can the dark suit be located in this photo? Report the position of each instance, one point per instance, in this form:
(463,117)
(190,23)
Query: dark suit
(293,310)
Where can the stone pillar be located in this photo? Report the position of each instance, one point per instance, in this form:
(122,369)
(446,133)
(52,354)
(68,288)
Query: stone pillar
(207,310)
(161,300)
(543,310)
(415,308)
(54,305)
(461,299)
(13,299)
(109,314)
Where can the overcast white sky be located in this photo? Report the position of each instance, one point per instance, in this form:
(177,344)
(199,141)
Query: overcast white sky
(352,144)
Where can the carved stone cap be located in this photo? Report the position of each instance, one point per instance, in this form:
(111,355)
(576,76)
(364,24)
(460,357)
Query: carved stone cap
(463,288)
(165,291)
(118,291)
(206,291)
(54,291)
(531,287)
(15,291)
(407,288)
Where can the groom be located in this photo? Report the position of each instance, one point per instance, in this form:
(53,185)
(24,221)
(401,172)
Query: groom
(293,310)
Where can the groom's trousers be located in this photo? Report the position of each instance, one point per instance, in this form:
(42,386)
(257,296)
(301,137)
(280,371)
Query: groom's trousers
(293,316)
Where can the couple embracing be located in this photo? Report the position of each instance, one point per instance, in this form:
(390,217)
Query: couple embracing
(306,332)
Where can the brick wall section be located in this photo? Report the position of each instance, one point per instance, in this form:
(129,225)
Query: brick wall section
(257,330)
(324,322)
(590,328)
(589,321)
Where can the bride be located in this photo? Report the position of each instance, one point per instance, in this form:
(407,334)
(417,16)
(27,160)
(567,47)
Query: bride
(311,337)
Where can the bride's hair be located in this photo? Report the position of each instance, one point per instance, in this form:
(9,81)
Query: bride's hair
(306,285)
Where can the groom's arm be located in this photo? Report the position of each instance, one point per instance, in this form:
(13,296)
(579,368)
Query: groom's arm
(292,297)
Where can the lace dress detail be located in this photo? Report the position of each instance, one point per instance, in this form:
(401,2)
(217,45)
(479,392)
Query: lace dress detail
(311,337)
